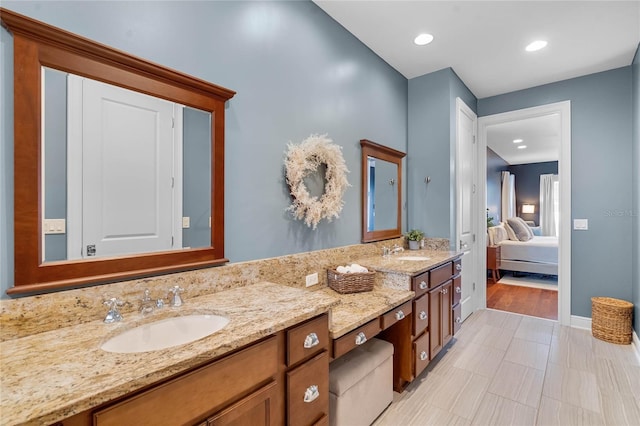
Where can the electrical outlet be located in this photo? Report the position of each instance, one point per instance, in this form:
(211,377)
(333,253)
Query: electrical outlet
(186,222)
(54,226)
(312,279)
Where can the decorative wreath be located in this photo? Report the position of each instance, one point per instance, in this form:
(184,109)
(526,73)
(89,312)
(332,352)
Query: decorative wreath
(304,159)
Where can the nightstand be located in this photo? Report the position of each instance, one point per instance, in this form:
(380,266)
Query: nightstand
(493,262)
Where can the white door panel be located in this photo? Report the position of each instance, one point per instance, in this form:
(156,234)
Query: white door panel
(466,163)
(127,142)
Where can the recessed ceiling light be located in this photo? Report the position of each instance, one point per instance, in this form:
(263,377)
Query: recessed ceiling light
(423,39)
(536,45)
(517,141)
(522,146)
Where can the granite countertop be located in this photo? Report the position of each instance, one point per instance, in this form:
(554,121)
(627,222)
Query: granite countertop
(356,309)
(395,264)
(49,376)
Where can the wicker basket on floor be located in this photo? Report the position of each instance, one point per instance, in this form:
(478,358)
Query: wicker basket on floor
(350,283)
(611,320)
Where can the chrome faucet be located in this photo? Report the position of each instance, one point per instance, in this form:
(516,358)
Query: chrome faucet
(176,300)
(396,249)
(113,315)
(146,304)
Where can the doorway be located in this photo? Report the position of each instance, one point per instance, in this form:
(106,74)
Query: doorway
(563,110)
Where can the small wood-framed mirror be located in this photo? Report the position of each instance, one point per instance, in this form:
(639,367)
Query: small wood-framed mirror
(381,192)
(40,49)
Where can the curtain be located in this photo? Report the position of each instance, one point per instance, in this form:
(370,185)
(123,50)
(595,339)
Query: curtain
(549,204)
(508,196)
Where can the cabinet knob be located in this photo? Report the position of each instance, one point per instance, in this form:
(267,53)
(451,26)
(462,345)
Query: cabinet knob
(458,267)
(423,356)
(361,338)
(444,291)
(311,340)
(311,393)
(458,290)
(399,315)
(422,285)
(458,320)
(423,315)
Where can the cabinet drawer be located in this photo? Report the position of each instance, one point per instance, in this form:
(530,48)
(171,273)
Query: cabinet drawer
(456,318)
(344,344)
(420,314)
(457,266)
(457,290)
(420,283)
(307,339)
(440,274)
(199,392)
(308,391)
(421,353)
(395,315)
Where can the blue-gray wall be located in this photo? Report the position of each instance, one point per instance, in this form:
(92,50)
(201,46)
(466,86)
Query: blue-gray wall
(601,167)
(528,185)
(296,72)
(495,166)
(431,151)
(636,189)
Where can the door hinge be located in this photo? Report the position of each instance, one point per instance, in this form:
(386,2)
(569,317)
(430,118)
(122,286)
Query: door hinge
(171,241)
(474,286)
(473,240)
(173,182)
(473,188)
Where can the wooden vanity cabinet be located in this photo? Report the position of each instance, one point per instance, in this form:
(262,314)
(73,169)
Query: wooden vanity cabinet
(435,308)
(281,379)
(189,398)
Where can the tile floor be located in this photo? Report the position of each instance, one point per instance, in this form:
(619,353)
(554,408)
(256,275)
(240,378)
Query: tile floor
(509,369)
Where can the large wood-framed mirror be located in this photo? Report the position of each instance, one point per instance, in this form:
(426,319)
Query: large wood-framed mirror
(381,191)
(44,54)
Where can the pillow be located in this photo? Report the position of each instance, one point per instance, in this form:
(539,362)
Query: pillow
(497,234)
(510,234)
(521,229)
(537,231)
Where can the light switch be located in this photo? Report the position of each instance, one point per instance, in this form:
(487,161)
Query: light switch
(186,222)
(581,224)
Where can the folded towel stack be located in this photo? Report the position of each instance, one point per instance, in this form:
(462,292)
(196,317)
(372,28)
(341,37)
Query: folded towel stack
(351,269)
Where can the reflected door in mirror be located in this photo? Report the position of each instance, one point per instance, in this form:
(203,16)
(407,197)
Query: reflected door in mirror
(122,177)
(382,195)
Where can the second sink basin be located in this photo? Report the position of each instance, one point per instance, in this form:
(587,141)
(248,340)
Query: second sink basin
(165,333)
(413,258)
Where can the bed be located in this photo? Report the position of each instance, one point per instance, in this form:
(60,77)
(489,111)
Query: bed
(539,254)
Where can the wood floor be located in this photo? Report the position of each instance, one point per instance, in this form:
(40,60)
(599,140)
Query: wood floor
(509,369)
(523,300)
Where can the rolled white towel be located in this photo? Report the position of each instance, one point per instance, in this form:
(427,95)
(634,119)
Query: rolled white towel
(358,268)
(342,270)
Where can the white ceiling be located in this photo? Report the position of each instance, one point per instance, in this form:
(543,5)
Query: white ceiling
(484,41)
(540,135)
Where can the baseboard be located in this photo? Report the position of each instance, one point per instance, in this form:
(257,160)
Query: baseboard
(636,345)
(580,322)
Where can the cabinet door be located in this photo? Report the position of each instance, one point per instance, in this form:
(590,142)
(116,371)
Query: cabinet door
(257,409)
(435,321)
(446,312)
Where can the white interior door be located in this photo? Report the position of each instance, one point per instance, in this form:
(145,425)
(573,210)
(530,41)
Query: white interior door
(466,195)
(127,172)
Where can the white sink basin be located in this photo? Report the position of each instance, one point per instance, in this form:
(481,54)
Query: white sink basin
(413,258)
(165,333)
